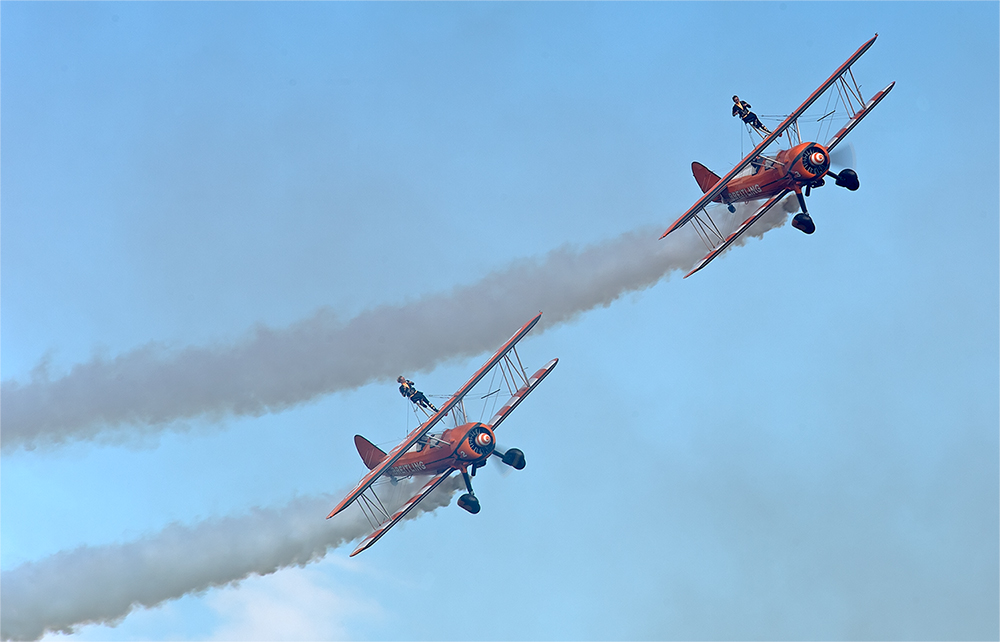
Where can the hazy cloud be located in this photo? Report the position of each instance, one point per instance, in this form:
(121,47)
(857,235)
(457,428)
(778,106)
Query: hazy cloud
(103,584)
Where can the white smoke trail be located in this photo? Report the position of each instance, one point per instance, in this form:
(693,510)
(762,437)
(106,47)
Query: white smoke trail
(272,369)
(103,584)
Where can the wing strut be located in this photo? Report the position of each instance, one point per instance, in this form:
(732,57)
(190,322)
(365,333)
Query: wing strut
(739,232)
(856,118)
(522,392)
(376,534)
(373,508)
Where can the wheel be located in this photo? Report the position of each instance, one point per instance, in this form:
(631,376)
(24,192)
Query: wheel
(514,458)
(804,222)
(469,502)
(848,178)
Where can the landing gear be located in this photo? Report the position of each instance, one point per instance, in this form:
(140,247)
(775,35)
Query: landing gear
(468,501)
(513,458)
(846,178)
(803,221)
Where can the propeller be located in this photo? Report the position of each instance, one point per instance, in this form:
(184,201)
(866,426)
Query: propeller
(843,156)
(499,468)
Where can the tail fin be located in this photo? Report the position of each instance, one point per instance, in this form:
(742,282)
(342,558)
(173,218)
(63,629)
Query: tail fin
(371,454)
(706,178)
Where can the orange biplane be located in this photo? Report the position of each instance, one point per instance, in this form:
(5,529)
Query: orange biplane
(770,178)
(464,447)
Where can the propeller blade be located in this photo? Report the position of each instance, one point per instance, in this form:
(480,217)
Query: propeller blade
(498,467)
(843,156)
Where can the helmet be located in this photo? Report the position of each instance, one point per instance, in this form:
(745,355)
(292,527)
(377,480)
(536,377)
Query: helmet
(400,379)
(736,99)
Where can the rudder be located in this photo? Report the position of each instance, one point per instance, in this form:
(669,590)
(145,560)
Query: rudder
(371,454)
(706,178)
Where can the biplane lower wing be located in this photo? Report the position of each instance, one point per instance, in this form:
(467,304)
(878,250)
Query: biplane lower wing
(856,118)
(522,392)
(424,428)
(771,202)
(716,191)
(427,489)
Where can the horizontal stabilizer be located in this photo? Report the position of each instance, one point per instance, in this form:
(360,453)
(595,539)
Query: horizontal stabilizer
(706,178)
(371,454)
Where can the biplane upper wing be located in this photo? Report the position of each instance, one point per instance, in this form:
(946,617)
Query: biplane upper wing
(423,429)
(744,226)
(522,392)
(713,193)
(426,490)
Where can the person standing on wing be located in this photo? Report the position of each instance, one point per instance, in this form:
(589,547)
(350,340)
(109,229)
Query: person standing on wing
(409,390)
(742,109)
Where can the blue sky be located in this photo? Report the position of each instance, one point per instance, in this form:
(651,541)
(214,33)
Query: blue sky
(799,442)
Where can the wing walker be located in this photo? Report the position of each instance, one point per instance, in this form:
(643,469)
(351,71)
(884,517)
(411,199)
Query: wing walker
(463,448)
(760,177)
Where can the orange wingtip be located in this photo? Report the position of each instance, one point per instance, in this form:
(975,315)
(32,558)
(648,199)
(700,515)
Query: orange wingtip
(672,227)
(336,510)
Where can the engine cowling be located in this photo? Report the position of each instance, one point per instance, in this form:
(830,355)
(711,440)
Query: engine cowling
(477,444)
(812,163)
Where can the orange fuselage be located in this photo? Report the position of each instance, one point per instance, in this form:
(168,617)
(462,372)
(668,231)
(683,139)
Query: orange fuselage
(801,166)
(459,447)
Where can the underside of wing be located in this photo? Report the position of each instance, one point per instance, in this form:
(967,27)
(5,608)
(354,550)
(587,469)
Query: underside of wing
(522,392)
(740,231)
(394,519)
(856,118)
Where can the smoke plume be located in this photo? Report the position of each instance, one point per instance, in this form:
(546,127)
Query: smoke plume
(273,369)
(103,584)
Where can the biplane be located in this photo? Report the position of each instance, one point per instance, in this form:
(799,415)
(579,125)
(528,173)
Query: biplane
(465,447)
(769,178)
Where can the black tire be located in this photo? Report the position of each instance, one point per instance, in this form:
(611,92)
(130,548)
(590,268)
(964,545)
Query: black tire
(514,458)
(848,178)
(804,222)
(469,502)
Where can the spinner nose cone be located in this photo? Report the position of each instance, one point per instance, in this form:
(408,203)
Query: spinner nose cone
(479,442)
(818,158)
